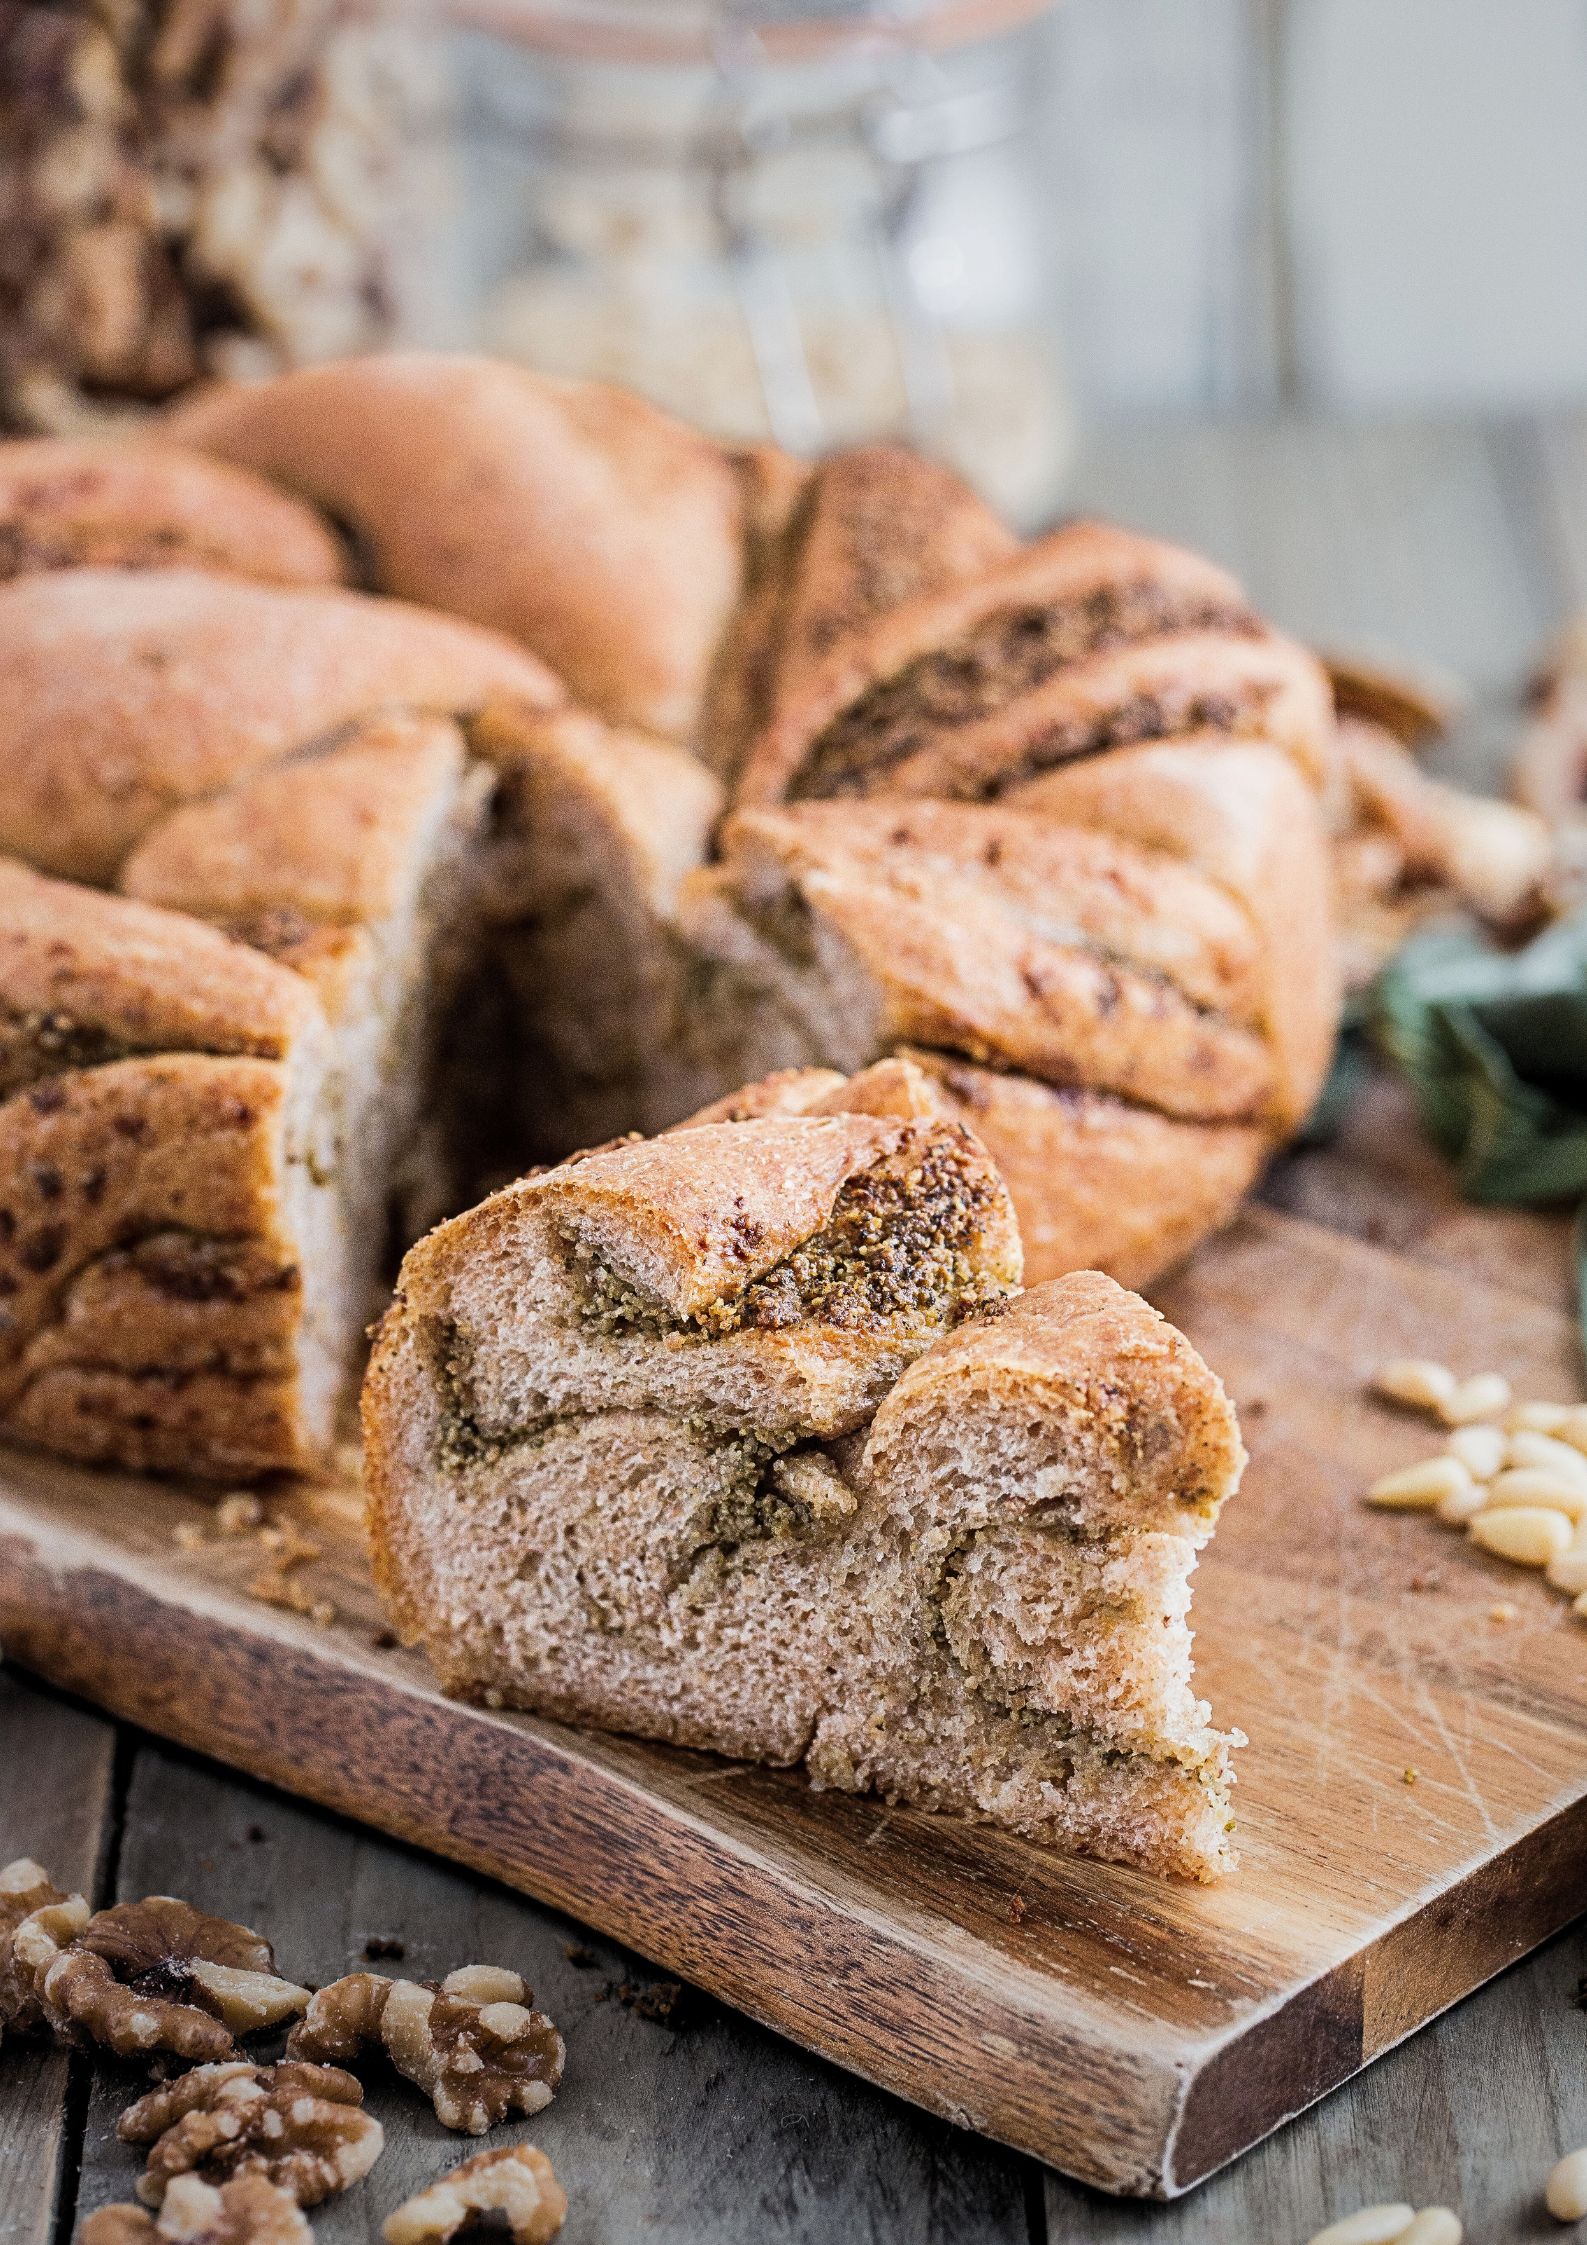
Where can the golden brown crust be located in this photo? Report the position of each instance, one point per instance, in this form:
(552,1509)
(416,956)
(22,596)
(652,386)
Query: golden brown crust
(220,1426)
(1241,814)
(73,504)
(1261,686)
(873,527)
(85,976)
(786,1091)
(894,1086)
(154,1305)
(1098,887)
(1103,591)
(882,526)
(627,782)
(328,836)
(1099,1184)
(601,534)
(110,1158)
(1005,938)
(177,1303)
(124,695)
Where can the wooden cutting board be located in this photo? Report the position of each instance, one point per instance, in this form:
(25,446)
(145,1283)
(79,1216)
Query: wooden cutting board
(1412,1805)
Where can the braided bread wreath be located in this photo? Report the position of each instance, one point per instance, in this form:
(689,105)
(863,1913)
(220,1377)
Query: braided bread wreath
(640,772)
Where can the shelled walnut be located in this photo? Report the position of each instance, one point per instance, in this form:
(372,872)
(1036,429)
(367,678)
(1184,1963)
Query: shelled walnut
(299,2126)
(471,2042)
(155,1975)
(25,1889)
(249,2210)
(514,2187)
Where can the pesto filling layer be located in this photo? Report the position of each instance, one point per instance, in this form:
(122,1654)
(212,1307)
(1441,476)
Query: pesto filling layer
(1005,655)
(50,1042)
(900,1245)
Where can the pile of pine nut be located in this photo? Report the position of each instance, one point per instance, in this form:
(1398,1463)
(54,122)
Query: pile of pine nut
(1513,1475)
(1564,2194)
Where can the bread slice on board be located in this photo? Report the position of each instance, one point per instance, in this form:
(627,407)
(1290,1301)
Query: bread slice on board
(742,1438)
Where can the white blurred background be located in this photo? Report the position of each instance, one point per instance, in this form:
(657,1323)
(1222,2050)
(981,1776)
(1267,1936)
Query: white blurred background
(1369,205)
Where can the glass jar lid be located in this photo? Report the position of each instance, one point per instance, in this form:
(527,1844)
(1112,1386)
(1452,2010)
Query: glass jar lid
(694,31)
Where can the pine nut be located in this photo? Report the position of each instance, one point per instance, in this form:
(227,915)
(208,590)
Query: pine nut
(1482,1450)
(1415,1380)
(1542,1451)
(1434,2225)
(1565,2192)
(1419,1487)
(1573,1428)
(1579,1606)
(1483,1396)
(1536,1418)
(1462,1505)
(1529,1485)
(1374,2225)
(1529,1534)
(1569,1571)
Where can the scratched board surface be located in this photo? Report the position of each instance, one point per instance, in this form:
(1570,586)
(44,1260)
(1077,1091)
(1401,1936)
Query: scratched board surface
(1412,1805)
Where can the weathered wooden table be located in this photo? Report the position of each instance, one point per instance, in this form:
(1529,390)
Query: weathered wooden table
(1458,546)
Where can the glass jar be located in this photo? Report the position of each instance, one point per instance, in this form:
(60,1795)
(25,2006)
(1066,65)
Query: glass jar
(205,187)
(814,227)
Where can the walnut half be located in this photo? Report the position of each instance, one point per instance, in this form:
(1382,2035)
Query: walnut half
(249,2210)
(513,2187)
(27,1889)
(470,2041)
(156,1975)
(298,2126)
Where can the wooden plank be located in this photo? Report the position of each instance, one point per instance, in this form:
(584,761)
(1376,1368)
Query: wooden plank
(1133,2031)
(55,1805)
(1380,1179)
(1471,2114)
(694,2128)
